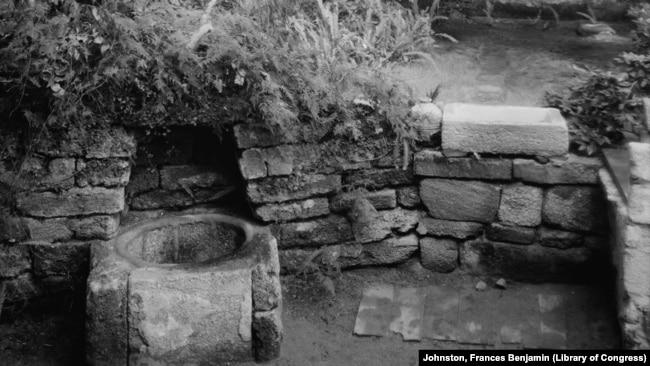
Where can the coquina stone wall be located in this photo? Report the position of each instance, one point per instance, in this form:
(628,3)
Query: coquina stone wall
(628,195)
(69,192)
(502,197)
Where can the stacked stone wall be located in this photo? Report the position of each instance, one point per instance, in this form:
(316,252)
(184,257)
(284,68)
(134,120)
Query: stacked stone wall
(493,200)
(66,194)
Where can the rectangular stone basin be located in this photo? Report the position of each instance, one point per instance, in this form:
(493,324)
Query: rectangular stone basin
(504,130)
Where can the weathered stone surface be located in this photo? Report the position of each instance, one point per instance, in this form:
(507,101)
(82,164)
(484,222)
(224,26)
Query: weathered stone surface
(574,208)
(49,230)
(574,170)
(455,229)
(389,251)
(42,175)
(143,179)
(511,233)
(268,190)
(60,258)
(73,202)
(408,197)
(21,288)
(292,260)
(329,230)
(106,308)
(103,172)
(12,228)
(639,162)
(14,260)
(161,198)
(525,262)
(439,255)
(400,220)
(460,200)
(380,199)
(521,205)
(267,335)
(251,164)
(249,135)
(639,203)
(109,143)
(175,177)
(426,119)
(293,210)
(267,292)
(366,226)
(559,239)
(217,330)
(433,164)
(379,178)
(95,227)
(504,130)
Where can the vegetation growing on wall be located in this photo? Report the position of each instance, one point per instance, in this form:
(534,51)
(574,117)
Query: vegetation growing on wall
(605,107)
(287,62)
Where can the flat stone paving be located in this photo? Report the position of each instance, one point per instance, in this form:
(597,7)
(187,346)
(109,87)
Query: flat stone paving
(525,316)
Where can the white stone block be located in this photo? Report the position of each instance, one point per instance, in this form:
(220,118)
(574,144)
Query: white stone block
(504,130)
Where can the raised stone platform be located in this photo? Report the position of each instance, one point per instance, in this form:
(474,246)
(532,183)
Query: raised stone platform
(475,128)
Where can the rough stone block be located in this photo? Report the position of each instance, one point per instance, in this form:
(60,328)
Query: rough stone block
(251,164)
(73,202)
(103,172)
(176,177)
(366,225)
(268,190)
(14,260)
(639,204)
(60,258)
(281,160)
(381,200)
(408,197)
(267,291)
(388,251)
(41,175)
(504,130)
(329,230)
(574,170)
(49,230)
(217,330)
(267,335)
(426,120)
(21,288)
(455,229)
(162,198)
(109,143)
(143,179)
(521,205)
(559,239)
(433,164)
(574,208)
(511,233)
(639,162)
(95,227)
(106,308)
(460,200)
(249,135)
(526,262)
(379,178)
(400,220)
(293,210)
(439,255)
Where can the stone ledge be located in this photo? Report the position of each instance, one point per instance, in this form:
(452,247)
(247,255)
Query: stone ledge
(270,190)
(504,130)
(574,170)
(293,210)
(73,202)
(431,163)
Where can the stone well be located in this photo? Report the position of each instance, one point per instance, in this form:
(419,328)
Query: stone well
(197,289)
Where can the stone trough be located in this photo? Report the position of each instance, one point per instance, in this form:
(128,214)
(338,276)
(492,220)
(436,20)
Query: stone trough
(185,289)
